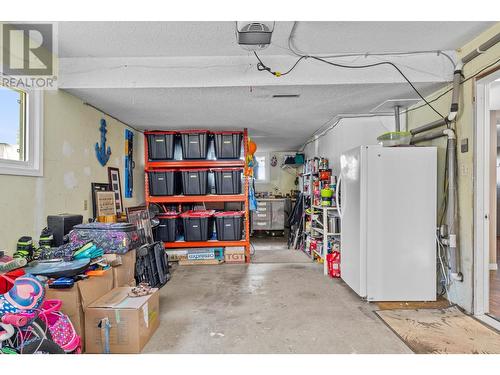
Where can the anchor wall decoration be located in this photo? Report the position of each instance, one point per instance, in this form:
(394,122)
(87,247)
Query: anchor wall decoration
(101,152)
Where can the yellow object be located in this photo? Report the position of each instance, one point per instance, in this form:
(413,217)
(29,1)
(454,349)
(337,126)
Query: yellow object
(107,219)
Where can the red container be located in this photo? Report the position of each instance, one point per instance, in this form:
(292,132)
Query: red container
(333,261)
(325,175)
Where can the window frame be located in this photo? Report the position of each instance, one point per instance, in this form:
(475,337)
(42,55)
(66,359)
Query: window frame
(268,168)
(33,140)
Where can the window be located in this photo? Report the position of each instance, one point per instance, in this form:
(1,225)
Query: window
(261,169)
(20,132)
(12,124)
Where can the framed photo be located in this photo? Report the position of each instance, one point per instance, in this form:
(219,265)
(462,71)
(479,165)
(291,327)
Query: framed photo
(116,187)
(140,217)
(105,203)
(95,187)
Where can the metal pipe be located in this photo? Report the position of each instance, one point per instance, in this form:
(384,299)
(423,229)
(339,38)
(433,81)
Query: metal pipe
(429,126)
(397,119)
(481,49)
(451,214)
(457,76)
(428,136)
(455,93)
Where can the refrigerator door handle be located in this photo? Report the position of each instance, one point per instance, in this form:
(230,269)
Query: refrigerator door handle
(337,195)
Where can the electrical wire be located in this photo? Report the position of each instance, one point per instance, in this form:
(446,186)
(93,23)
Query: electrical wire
(299,53)
(262,67)
(451,86)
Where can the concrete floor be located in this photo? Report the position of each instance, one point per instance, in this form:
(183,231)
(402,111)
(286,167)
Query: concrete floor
(279,305)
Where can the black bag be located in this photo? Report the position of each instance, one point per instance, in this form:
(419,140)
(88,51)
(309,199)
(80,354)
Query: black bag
(152,265)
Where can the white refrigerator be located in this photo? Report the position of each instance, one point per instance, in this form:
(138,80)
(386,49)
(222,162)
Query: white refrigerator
(388,222)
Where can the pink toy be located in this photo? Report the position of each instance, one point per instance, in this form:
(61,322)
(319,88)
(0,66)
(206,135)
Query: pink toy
(60,327)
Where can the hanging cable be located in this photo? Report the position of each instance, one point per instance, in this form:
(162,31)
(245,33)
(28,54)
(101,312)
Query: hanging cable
(299,53)
(262,67)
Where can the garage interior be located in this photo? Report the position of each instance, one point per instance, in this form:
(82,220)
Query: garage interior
(253,188)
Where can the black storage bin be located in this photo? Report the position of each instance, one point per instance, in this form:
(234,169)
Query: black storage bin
(229,225)
(228,145)
(152,265)
(197,225)
(228,180)
(194,181)
(166,231)
(194,144)
(161,145)
(162,183)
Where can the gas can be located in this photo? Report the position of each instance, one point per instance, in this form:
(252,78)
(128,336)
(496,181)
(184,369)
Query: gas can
(333,261)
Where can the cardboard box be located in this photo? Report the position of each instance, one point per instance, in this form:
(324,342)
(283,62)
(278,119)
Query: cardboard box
(76,299)
(125,271)
(177,255)
(133,321)
(234,255)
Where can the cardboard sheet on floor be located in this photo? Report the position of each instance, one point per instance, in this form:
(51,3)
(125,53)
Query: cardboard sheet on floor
(133,321)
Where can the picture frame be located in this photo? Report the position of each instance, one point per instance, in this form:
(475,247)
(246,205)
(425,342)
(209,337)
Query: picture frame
(105,203)
(95,187)
(116,187)
(139,216)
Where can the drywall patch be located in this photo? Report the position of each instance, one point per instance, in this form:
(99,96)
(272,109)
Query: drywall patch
(70,181)
(87,171)
(67,150)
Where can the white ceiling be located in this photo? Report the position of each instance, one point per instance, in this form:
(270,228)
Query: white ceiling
(140,39)
(278,124)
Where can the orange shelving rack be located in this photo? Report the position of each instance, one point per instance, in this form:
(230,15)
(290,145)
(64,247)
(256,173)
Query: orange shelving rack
(151,166)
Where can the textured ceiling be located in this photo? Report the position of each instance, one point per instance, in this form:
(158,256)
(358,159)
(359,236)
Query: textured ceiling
(278,124)
(137,39)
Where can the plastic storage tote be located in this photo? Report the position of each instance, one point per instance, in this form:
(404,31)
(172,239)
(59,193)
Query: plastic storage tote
(194,144)
(229,225)
(166,231)
(161,145)
(228,144)
(194,181)
(197,225)
(228,180)
(162,183)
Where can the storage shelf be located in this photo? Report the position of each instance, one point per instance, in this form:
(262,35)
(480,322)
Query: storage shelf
(196,198)
(327,207)
(152,165)
(210,243)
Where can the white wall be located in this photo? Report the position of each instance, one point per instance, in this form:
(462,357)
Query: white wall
(281,179)
(71,130)
(349,133)
(461,292)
